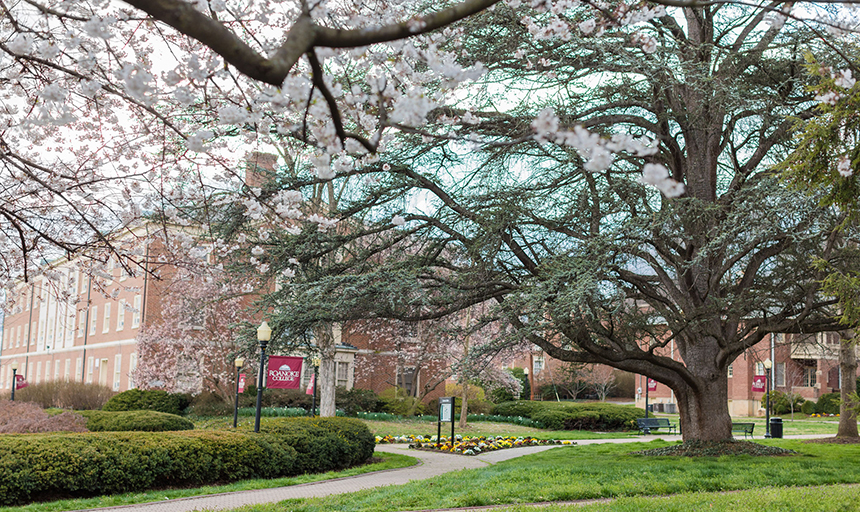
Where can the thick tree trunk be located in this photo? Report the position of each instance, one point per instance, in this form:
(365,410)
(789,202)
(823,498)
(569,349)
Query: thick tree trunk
(705,410)
(848,386)
(326,345)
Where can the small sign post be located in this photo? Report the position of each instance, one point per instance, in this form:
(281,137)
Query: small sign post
(446,413)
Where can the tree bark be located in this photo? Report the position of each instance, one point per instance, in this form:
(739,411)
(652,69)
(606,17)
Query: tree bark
(848,386)
(705,410)
(464,407)
(325,343)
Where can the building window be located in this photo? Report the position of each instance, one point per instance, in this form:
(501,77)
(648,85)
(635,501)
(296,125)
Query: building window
(132,366)
(57,369)
(759,368)
(82,322)
(38,372)
(68,371)
(731,371)
(538,364)
(93,313)
(342,374)
(779,375)
(90,370)
(406,379)
(809,377)
(120,316)
(18,339)
(106,324)
(135,317)
(117,366)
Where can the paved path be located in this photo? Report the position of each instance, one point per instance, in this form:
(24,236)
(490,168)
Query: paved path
(432,464)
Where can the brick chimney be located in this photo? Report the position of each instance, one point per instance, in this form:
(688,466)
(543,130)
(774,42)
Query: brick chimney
(260,168)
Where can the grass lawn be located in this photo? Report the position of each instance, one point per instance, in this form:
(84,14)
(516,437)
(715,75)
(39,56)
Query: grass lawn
(603,471)
(827,498)
(390,461)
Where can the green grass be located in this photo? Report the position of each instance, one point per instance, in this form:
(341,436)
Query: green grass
(828,498)
(598,471)
(389,461)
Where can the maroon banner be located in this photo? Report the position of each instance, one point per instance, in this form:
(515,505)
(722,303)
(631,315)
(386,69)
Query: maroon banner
(20,382)
(284,372)
(241,383)
(652,385)
(310,389)
(759,383)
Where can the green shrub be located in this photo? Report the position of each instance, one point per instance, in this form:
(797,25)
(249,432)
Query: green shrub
(323,444)
(65,395)
(148,399)
(808,407)
(34,467)
(210,404)
(140,421)
(780,403)
(395,401)
(523,408)
(828,403)
(573,416)
(355,400)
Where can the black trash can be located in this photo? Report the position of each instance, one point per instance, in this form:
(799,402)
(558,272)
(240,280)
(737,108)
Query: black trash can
(776,428)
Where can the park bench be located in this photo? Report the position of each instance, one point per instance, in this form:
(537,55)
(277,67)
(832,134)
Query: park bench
(746,428)
(648,425)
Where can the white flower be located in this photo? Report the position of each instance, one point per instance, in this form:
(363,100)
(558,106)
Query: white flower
(196,141)
(258,251)
(21,44)
(325,173)
(89,88)
(293,261)
(231,114)
(658,176)
(843,79)
(587,26)
(288,273)
(844,166)
(53,93)
(397,220)
(48,50)
(99,27)
(654,173)
(545,123)
(263,268)
(830,98)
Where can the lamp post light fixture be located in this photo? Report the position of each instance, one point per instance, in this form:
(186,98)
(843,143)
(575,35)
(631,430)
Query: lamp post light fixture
(316,362)
(768,364)
(264,334)
(14,379)
(239,362)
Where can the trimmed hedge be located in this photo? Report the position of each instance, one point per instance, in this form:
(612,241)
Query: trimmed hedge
(149,400)
(49,466)
(323,444)
(573,416)
(139,421)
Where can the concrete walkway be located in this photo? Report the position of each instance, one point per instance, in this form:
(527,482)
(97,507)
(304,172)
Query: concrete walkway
(431,464)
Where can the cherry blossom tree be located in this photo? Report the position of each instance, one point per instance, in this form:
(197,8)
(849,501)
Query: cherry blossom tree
(191,346)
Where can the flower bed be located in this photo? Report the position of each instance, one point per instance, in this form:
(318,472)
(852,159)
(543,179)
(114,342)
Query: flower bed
(469,445)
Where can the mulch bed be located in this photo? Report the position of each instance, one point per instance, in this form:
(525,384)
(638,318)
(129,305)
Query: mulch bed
(835,440)
(717,449)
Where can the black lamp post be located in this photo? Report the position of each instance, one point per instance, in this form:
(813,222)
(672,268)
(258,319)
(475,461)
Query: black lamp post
(264,334)
(239,362)
(767,366)
(14,379)
(316,363)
